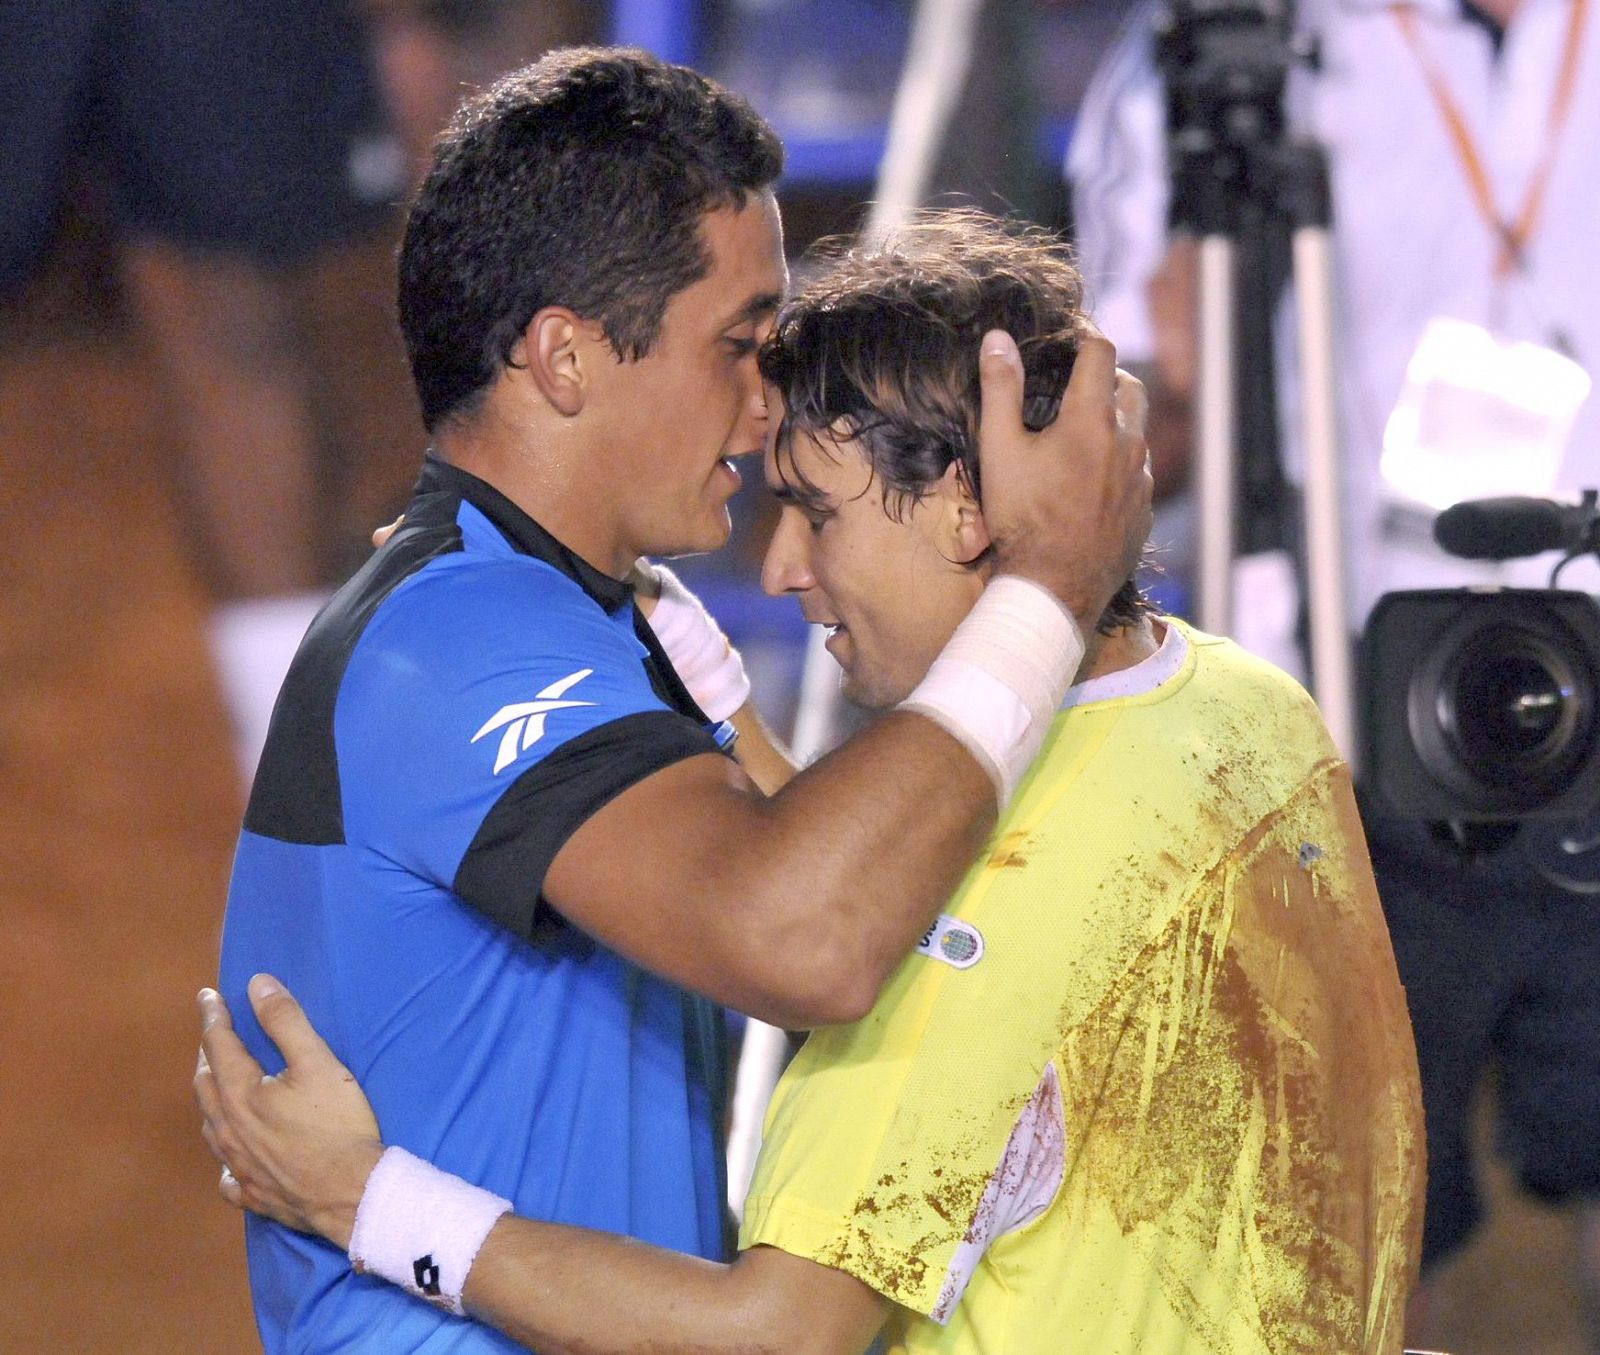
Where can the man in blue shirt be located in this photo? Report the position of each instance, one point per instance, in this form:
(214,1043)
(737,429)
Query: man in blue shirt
(490,813)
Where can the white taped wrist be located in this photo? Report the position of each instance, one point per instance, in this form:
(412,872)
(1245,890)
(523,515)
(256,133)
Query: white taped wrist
(421,1228)
(710,667)
(997,683)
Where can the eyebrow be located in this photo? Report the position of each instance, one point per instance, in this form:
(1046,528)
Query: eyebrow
(785,491)
(754,309)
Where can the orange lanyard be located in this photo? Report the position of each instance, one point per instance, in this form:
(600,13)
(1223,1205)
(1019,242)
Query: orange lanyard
(1515,233)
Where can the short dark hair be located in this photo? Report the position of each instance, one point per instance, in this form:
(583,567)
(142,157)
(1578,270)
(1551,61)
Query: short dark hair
(881,345)
(580,181)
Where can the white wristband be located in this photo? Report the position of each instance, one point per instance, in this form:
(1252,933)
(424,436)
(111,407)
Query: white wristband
(420,1228)
(710,667)
(997,683)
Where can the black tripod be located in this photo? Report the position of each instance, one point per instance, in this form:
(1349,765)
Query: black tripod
(1243,186)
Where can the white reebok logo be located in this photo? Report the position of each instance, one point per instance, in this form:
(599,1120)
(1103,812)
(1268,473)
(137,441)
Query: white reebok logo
(524,721)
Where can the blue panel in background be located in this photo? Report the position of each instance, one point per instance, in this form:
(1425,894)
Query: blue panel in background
(669,28)
(841,161)
(822,160)
(822,71)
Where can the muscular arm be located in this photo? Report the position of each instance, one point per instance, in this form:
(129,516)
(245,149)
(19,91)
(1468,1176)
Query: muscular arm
(301,1145)
(797,907)
(793,908)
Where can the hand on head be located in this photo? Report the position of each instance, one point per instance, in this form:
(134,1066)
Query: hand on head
(1068,506)
(297,1147)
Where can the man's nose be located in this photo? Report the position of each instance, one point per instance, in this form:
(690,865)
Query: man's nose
(787,566)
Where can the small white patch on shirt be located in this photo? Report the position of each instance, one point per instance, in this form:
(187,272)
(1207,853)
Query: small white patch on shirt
(1021,1189)
(957,943)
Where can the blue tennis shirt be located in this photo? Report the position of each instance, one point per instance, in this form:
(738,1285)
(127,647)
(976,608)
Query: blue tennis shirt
(462,705)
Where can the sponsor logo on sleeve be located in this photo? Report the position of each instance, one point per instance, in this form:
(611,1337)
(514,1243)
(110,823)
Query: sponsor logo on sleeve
(957,943)
(523,721)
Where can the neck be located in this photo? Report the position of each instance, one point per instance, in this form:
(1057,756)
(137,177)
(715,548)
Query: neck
(539,475)
(1123,648)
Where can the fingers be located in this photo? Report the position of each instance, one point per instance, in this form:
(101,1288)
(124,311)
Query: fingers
(646,586)
(223,1071)
(226,1059)
(230,1189)
(1092,387)
(207,1098)
(1133,404)
(1000,388)
(384,533)
(286,1025)
(208,1132)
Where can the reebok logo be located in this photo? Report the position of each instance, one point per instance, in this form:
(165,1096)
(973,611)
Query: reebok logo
(524,721)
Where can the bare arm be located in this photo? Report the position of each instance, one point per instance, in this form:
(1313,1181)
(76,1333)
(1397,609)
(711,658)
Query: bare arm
(796,908)
(300,1146)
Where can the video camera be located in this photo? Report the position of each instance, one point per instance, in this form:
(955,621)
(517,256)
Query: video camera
(1483,704)
(1224,64)
(1481,707)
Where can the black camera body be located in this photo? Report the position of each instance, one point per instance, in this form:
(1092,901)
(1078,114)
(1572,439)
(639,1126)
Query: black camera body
(1483,704)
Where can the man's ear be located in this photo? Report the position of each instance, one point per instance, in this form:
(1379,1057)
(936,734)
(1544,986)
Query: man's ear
(967,535)
(551,355)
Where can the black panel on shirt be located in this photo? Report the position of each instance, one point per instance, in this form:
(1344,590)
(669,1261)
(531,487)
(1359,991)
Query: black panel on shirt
(296,796)
(502,873)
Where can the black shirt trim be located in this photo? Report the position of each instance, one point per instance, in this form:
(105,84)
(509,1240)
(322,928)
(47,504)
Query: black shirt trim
(522,531)
(502,873)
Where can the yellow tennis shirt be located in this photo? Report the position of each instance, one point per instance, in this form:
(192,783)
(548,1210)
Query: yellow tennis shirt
(1165,1004)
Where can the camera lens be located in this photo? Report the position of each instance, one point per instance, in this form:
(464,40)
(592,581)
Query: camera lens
(1482,705)
(1512,706)
(1507,706)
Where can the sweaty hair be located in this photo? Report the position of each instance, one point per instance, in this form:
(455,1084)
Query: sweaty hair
(881,345)
(579,181)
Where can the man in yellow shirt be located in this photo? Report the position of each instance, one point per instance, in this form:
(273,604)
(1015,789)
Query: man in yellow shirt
(1148,1085)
